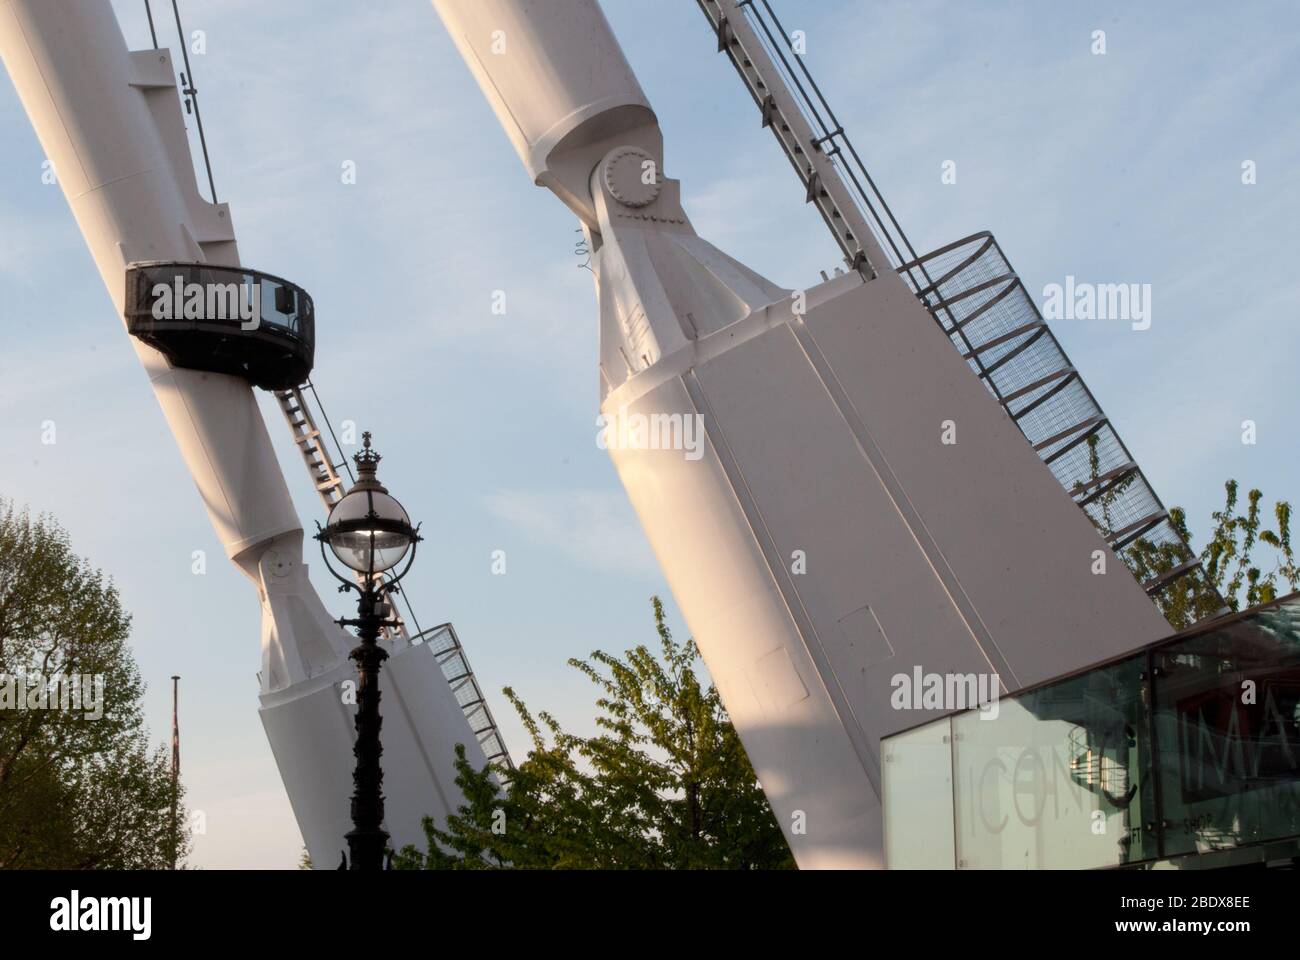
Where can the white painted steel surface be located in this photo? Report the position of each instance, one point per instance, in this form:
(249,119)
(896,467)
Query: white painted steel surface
(824,414)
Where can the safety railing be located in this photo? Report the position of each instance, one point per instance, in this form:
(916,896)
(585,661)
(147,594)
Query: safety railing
(980,303)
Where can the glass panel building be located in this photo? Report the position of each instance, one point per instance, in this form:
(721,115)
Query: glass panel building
(1185,753)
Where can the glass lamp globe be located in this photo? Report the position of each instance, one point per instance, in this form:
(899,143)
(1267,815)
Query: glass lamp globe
(368,530)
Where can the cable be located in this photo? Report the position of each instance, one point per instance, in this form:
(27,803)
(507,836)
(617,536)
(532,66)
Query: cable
(193,96)
(148,12)
(338,447)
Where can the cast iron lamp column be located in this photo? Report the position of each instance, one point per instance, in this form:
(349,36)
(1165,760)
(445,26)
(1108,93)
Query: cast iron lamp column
(369,532)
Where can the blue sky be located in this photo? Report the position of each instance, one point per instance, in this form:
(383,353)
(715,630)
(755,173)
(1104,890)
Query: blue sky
(1117,168)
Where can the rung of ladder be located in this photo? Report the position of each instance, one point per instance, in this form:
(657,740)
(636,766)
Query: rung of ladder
(1084,485)
(998,341)
(1156,584)
(1123,537)
(1068,432)
(1040,382)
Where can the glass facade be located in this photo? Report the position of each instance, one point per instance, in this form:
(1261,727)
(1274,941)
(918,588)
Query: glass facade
(1188,746)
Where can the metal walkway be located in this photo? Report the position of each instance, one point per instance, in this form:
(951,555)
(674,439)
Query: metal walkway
(305,417)
(978,301)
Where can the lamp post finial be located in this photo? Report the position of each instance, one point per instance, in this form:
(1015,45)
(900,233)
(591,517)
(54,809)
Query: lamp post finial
(367,459)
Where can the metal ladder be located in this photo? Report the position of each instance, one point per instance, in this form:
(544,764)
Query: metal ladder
(976,299)
(304,417)
(307,437)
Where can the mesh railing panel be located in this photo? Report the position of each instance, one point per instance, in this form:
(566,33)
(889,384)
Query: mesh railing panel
(997,326)
(469,696)
(972,292)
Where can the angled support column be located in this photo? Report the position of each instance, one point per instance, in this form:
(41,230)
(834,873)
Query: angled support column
(111,122)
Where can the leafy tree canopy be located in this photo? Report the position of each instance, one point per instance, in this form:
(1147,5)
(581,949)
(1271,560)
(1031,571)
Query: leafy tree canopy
(665,784)
(1244,562)
(76,790)
(1248,559)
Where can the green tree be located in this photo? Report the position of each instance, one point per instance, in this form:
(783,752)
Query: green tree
(1240,570)
(1244,561)
(664,785)
(76,791)
(1228,575)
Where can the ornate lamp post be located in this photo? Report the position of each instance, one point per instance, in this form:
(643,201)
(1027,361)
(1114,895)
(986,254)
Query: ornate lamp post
(369,532)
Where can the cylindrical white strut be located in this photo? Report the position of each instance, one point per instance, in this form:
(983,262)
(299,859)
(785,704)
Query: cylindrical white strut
(559,84)
(786,453)
(110,121)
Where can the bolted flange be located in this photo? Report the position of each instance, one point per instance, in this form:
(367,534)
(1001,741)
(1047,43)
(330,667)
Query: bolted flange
(632,177)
